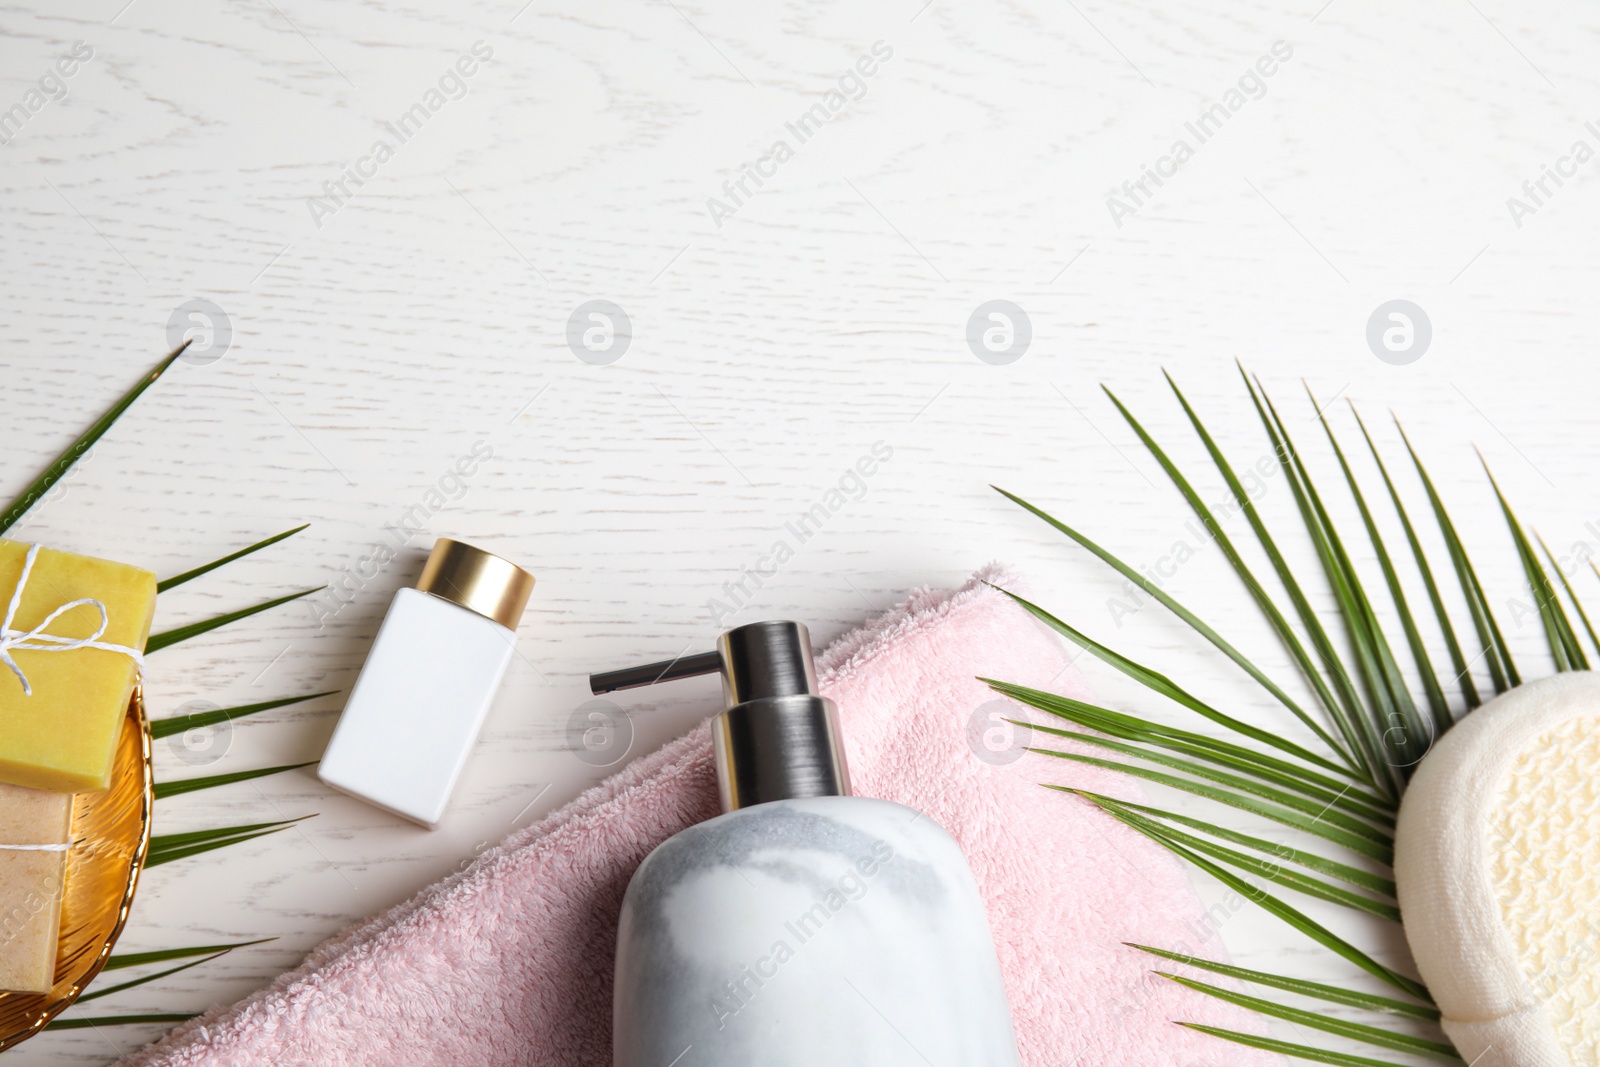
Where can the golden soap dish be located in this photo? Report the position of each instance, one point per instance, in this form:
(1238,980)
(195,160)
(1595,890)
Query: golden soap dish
(110,838)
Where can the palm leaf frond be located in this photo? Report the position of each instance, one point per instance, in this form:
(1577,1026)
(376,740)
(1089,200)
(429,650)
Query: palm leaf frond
(1437,704)
(199,720)
(211,781)
(166,848)
(178,579)
(1355,610)
(1171,604)
(147,979)
(1316,990)
(1225,753)
(1373,843)
(168,638)
(1311,861)
(123,960)
(83,1023)
(1342,713)
(1160,683)
(1271,904)
(1266,869)
(1328,1024)
(1572,594)
(1458,659)
(1502,669)
(1564,646)
(1289,1048)
(1307,799)
(59,467)
(1342,786)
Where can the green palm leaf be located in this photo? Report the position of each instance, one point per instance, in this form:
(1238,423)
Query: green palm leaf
(169,638)
(59,467)
(80,1023)
(170,847)
(1571,594)
(1458,659)
(1269,768)
(1226,754)
(1167,688)
(1269,869)
(1328,1024)
(1309,860)
(178,579)
(165,848)
(138,959)
(199,720)
(1317,804)
(1342,711)
(192,785)
(1316,990)
(1442,719)
(1205,631)
(1288,1048)
(1502,669)
(1374,845)
(1564,646)
(1355,610)
(1342,789)
(1271,904)
(1262,868)
(146,979)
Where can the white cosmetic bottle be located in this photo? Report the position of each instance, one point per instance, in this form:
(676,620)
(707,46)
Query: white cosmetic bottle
(433,671)
(804,927)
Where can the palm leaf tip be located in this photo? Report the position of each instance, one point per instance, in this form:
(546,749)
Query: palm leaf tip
(1565,648)
(177,724)
(83,1023)
(168,638)
(178,579)
(63,463)
(1289,1048)
(193,785)
(1328,1024)
(138,959)
(1303,987)
(165,848)
(1496,653)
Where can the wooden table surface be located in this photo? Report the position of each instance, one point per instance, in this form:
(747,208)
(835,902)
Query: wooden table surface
(799,210)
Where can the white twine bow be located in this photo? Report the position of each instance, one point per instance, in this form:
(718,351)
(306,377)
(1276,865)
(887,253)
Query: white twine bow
(37,640)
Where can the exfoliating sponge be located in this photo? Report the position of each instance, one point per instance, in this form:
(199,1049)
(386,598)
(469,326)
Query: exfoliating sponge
(1497,863)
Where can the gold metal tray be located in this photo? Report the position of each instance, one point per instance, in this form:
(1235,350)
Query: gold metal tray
(110,837)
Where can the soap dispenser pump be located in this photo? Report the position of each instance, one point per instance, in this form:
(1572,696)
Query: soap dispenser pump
(804,925)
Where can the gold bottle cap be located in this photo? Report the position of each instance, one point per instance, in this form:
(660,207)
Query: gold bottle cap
(477,580)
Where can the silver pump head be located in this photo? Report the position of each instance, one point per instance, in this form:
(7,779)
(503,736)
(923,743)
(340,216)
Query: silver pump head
(778,739)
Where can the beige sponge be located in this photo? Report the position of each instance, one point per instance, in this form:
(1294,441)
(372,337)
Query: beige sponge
(1497,861)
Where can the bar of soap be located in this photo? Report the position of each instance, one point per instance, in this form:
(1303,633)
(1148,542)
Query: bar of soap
(30,885)
(64,736)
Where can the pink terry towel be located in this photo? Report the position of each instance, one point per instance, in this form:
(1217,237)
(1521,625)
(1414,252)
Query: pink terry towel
(510,961)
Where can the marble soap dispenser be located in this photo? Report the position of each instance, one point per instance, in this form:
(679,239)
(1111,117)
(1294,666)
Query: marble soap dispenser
(803,927)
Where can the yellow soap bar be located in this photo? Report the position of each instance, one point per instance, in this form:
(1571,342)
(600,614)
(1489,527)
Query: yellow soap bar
(63,736)
(31,881)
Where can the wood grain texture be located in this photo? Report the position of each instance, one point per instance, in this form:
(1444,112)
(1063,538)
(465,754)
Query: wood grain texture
(429,312)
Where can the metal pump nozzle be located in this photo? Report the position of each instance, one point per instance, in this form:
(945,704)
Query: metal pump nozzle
(778,740)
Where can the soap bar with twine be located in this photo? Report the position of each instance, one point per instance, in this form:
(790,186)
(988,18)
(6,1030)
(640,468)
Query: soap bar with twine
(71,639)
(34,831)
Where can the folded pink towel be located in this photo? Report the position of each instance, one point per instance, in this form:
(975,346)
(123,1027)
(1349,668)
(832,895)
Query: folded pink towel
(510,961)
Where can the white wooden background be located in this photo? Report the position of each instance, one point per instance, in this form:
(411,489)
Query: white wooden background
(768,353)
